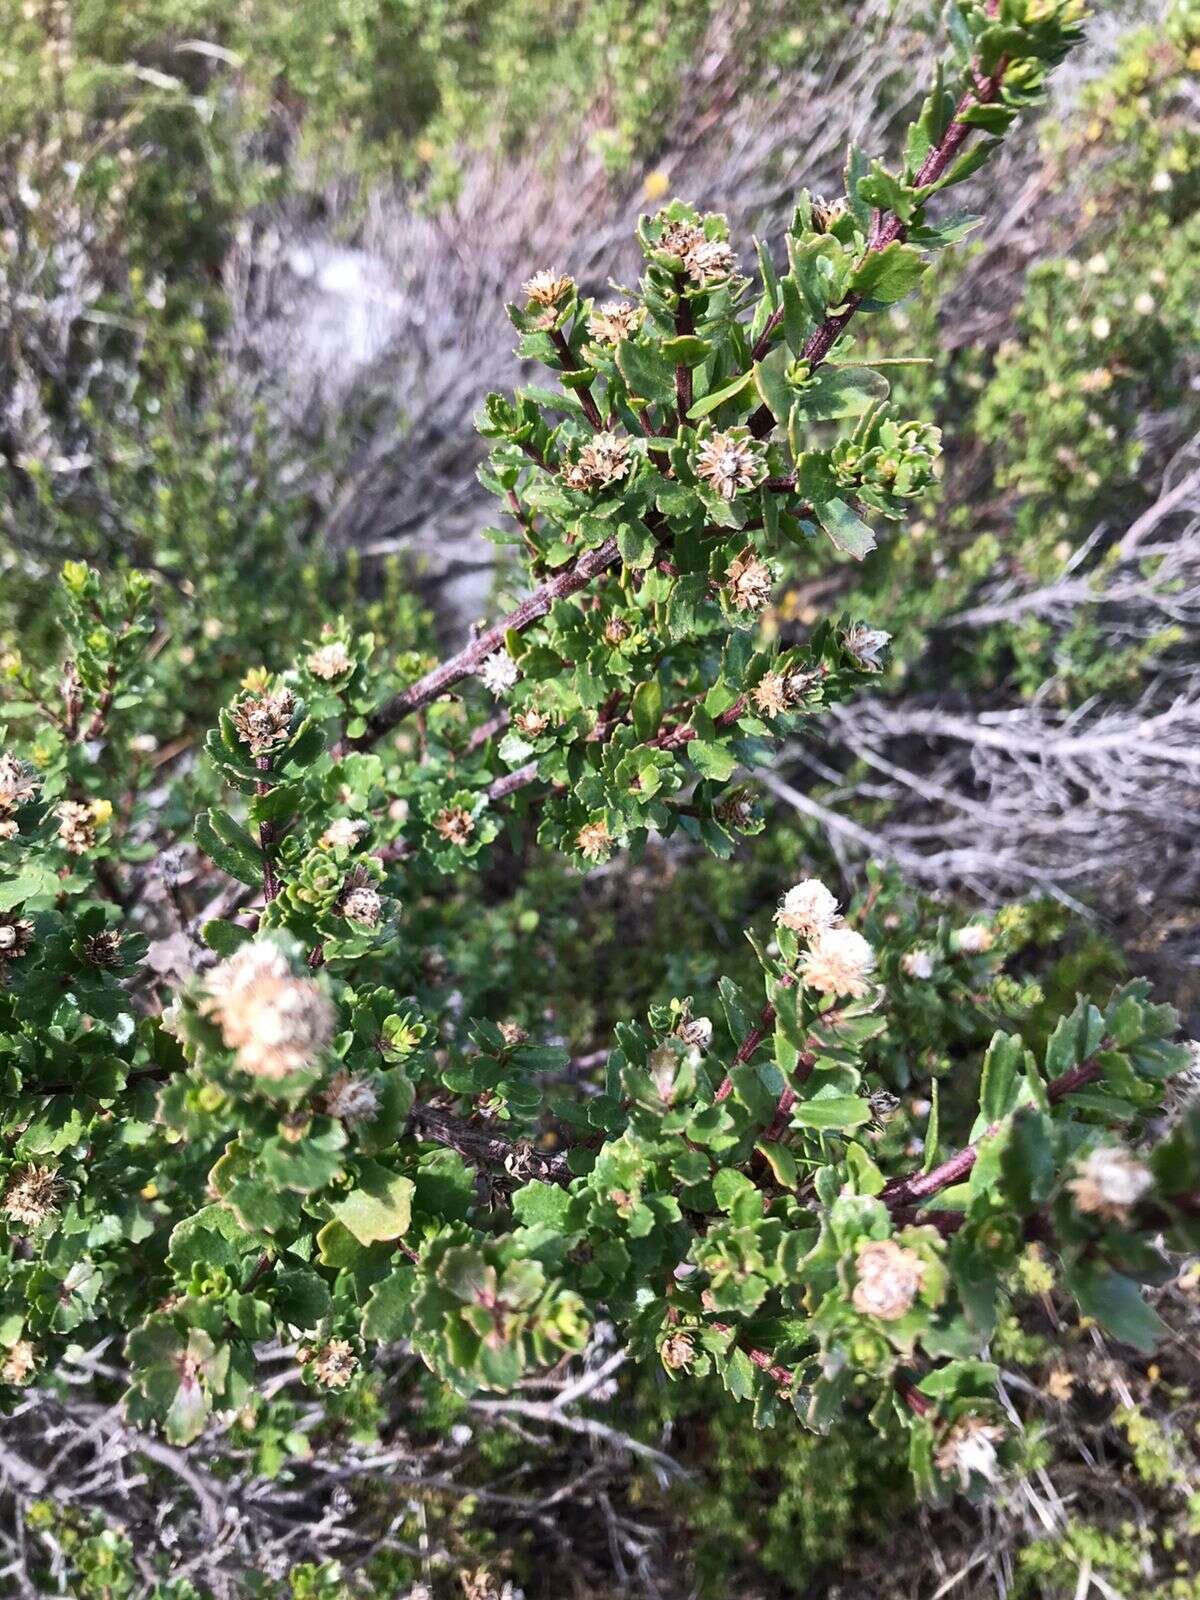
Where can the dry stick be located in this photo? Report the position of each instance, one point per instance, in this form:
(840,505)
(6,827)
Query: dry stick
(468,660)
(886,229)
(486,1149)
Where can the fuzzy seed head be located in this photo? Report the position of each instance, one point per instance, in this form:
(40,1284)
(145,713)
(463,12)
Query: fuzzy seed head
(1109,1182)
(103,949)
(696,1032)
(710,262)
(808,908)
(729,463)
(531,722)
(351,1099)
(737,810)
(334,1364)
(678,1352)
(970,1448)
(330,661)
(616,630)
(839,962)
(609,324)
(888,1280)
(594,842)
(362,904)
(76,827)
(455,824)
(866,645)
(18,784)
(341,834)
(18,1363)
(749,582)
(547,288)
(975,940)
(770,694)
(274,1022)
(605,460)
(262,720)
(681,240)
(918,964)
(499,672)
(513,1034)
(33,1194)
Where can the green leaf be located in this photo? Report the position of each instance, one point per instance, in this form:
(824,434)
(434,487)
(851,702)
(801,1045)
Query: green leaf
(687,350)
(847,532)
(389,1312)
(832,1112)
(711,760)
(1000,1083)
(378,1207)
(1116,1303)
(647,375)
(300,1298)
(647,708)
(636,544)
(710,402)
(224,937)
(229,847)
(889,274)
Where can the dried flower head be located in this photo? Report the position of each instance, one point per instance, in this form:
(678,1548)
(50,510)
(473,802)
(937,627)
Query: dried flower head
(16,937)
(808,908)
(334,1364)
(19,1361)
(749,582)
(330,660)
(18,784)
(531,722)
(770,694)
(455,824)
(498,672)
(350,1098)
(275,1022)
(918,964)
(866,645)
(103,949)
(609,324)
(1109,1181)
(737,809)
(616,630)
(730,462)
(839,961)
(76,827)
(33,1195)
(680,239)
(513,1034)
(547,288)
(605,460)
(970,1448)
(678,1352)
(341,834)
(888,1278)
(594,841)
(362,904)
(710,261)
(974,940)
(825,213)
(262,720)
(696,1032)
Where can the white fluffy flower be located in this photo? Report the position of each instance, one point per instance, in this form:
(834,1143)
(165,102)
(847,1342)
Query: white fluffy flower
(1109,1181)
(275,1022)
(974,940)
(888,1278)
(499,672)
(866,645)
(970,1447)
(342,834)
(918,964)
(839,961)
(807,908)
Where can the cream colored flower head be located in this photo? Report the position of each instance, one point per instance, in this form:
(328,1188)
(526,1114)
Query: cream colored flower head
(330,660)
(1109,1182)
(609,324)
(498,672)
(350,1098)
(18,783)
(969,1448)
(33,1194)
(918,964)
(274,1022)
(730,462)
(750,582)
(605,460)
(362,904)
(593,841)
(867,645)
(975,939)
(888,1278)
(342,834)
(808,908)
(263,720)
(838,962)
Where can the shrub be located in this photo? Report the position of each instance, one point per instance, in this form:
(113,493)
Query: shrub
(284,1135)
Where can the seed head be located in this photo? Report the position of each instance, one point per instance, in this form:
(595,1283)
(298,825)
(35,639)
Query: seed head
(918,964)
(341,834)
(888,1279)
(531,722)
(681,239)
(678,1352)
(513,1034)
(825,213)
(103,949)
(974,940)
(839,961)
(334,1364)
(710,261)
(616,630)
(737,809)
(770,694)
(275,1022)
(19,1361)
(1109,1182)
(547,288)
(696,1032)
(16,936)
(330,660)
(362,904)
(866,645)
(808,908)
(262,720)
(499,672)
(605,460)
(730,462)
(969,1447)
(351,1099)
(76,827)
(455,824)
(749,582)
(18,784)
(617,320)
(33,1194)
(593,841)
